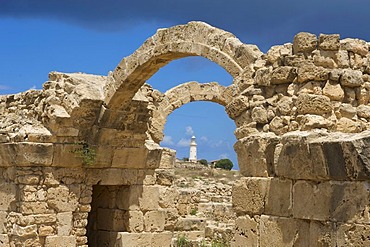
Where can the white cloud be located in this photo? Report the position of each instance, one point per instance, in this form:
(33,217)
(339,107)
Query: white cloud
(224,156)
(189,131)
(167,140)
(204,139)
(183,143)
(33,87)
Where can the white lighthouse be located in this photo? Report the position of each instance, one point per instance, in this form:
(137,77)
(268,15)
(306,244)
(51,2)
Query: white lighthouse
(193,150)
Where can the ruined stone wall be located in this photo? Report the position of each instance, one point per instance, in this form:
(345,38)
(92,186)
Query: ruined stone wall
(313,83)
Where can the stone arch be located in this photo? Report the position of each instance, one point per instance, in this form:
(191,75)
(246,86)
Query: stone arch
(166,45)
(181,95)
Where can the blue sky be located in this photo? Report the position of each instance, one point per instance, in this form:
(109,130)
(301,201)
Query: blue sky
(93,36)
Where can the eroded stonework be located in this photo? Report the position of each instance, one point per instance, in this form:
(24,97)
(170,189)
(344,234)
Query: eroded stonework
(81,164)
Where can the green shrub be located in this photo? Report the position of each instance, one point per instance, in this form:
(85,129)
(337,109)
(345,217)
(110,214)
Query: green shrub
(86,153)
(182,241)
(203,162)
(224,164)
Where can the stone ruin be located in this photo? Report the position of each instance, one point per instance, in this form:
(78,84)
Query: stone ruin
(81,164)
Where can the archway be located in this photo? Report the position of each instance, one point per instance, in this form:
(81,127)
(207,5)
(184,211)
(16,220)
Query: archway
(192,39)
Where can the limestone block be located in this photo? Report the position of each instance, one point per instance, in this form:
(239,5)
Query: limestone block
(57,241)
(125,239)
(363,111)
(279,199)
(162,239)
(3,221)
(45,231)
(167,159)
(63,198)
(25,232)
(309,72)
(165,177)
(355,45)
(246,232)
(254,154)
(285,105)
(64,223)
(259,115)
(351,78)
(237,106)
(111,219)
(336,201)
(284,74)
(297,159)
(26,154)
(149,199)
(192,223)
(313,104)
(65,155)
(348,126)
(283,232)
(309,122)
(263,76)
(168,197)
(249,195)
(304,42)
(353,235)
(343,59)
(130,158)
(128,197)
(4,240)
(322,234)
(8,193)
(154,221)
(333,91)
(135,222)
(329,42)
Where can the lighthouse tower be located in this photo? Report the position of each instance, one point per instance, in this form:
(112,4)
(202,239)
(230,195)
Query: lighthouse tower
(193,150)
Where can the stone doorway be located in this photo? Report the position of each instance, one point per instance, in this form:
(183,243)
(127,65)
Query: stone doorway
(108,215)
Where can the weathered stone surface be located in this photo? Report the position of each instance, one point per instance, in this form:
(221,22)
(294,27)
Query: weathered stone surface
(8,193)
(283,231)
(351,78)
(56,241)
(284,74)
(254,152)
(329,42)
(304,42)
(333,91)
(313,104)
(246,233)
(338,201)
(353,235)
(355,45)
(253,204)
(310,72)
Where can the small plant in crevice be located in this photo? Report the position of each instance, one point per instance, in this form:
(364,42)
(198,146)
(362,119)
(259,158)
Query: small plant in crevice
(219,243)
(193,211)
(182,241)
(86,153)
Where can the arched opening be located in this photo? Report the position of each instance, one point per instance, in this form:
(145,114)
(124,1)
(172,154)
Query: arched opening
(167,45)
(204,193)
(188,69)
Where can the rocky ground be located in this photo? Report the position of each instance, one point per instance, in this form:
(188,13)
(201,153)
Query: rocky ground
(204,205)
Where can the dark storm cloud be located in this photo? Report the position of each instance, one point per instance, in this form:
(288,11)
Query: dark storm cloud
(252,21)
